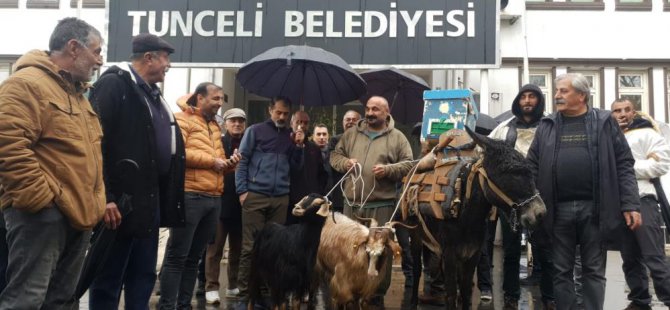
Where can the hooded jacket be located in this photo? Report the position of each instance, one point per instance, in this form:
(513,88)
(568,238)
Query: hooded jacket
(202,144)
(50,143)
(515,131)
(130,137)
(614,185)
(389,148)
(651,153)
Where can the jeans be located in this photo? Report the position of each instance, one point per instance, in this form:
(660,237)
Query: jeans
(575,222)
(4,253)
(45,259)
(131,266)
(184,249)
(485,265)
(642,248)
(543,256)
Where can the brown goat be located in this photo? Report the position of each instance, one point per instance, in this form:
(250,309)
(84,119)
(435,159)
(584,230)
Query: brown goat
(352,259)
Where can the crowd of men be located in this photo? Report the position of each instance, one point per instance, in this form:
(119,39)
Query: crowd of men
(120,159)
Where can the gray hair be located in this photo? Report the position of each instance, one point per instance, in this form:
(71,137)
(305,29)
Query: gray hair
(578,82)
(72,28)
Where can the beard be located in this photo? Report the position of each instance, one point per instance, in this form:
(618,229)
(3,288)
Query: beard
(280,124)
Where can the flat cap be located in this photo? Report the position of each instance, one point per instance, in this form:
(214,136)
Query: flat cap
(233,113)
(145,42)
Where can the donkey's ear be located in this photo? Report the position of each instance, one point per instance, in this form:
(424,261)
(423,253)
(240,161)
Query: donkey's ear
(482,141)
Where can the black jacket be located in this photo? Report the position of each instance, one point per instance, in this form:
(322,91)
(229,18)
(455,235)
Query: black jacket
(129,134)
(311,178)
(615,187)
(230,200)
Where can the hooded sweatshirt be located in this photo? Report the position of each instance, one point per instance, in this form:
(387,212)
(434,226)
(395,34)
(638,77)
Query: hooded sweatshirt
(50,143)
(516,131)
(651,153)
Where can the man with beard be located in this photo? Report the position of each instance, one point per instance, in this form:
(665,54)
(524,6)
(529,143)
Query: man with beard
(206,164)
(349,120)
(384,156)
(269,151)
(645,246)
(311,177)
(583,168)
(528,108)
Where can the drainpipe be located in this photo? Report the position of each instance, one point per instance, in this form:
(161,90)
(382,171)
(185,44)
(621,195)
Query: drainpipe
(525,78)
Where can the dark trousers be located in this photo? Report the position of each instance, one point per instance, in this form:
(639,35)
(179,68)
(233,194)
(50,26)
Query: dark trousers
(645,247)
(433,280)
(543,256)
(131,266)
(230,229)
(45,259)
(511,259)
(575,222)
(184,249)
(485,264)
(257,211)
(4,253)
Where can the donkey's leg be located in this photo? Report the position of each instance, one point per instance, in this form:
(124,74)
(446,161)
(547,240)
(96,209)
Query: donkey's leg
(450,268)
(466,283)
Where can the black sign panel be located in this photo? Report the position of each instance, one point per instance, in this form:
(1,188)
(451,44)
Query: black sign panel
(409,33)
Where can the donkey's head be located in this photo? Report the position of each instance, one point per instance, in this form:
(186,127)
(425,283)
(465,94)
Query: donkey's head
(507,181)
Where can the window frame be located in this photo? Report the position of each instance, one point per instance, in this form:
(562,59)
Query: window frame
(547,90)
(642,91)
(88,4)
(644,5)
(43,4)
(9,4)
(595,5)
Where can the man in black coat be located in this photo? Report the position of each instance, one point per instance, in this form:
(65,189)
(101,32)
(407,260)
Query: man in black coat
(143,157)
(583,168)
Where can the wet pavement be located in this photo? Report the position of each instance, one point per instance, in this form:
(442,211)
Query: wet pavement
(615,296)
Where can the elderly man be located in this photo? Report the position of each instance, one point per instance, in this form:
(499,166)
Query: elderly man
(269,150)
(51,187)
(385,156)
(584,171)
(143,153)
(645,247)
(230,220)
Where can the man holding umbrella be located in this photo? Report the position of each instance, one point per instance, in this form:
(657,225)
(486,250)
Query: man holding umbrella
(385,156)
(262,179)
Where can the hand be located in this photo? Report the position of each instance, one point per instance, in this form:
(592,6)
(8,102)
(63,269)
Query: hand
(112,216)
(633,219)
(299,136)
(379,171)
(234,160)
(351,162)
(243,197)
(219,164)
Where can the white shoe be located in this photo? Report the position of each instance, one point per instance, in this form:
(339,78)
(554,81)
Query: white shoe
(212,297)
(232,293)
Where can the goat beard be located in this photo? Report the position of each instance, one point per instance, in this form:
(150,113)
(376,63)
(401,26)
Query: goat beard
(372,266)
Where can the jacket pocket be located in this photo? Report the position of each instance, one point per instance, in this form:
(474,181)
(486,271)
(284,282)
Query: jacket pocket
(63,121)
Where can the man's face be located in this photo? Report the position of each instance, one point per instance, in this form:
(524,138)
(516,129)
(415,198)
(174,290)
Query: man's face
(88,59)
(159,63)
(300,121)
(321,136)
(235,126)
(209,105)
(376,112)
(527,102)
(623,112)
(568,101)
(350,119)
(279,113)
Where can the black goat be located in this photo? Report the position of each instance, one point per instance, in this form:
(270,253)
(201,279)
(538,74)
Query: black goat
(283,257)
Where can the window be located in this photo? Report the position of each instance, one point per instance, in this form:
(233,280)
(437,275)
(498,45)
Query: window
(633,5)
(88,3)
(544,82)
(4,72)
(9,4)
(42,4)
(633,86)
(565,5)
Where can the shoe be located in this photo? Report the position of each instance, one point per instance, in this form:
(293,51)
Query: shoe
(486,295)
(549,305)
(241,305)
(232,293)
(433,300)
(212,297)
(634,306)
(511,304)
(533,279)
(200,290)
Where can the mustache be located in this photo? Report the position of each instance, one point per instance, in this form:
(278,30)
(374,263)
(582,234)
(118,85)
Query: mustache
(560,101)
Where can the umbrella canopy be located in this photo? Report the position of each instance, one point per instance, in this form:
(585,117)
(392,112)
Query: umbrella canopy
(504,116)
(403,91)
(485,124)
(307,75)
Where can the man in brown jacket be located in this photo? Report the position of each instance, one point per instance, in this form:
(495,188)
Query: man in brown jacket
(206,164)
(51,187)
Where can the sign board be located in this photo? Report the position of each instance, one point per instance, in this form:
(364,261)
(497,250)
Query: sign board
(365,33)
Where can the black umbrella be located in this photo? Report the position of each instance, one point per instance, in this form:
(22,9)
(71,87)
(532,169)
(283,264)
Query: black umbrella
(504,116)
(306,75)
(102,238)
(485,124)
(403,90)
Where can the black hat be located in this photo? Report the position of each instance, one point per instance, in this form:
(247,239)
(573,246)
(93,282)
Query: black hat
(145,42)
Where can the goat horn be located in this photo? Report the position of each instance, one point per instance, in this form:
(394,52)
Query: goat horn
(366,220)
(393,223)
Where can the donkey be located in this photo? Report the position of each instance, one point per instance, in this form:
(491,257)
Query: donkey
(503,179)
